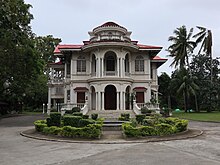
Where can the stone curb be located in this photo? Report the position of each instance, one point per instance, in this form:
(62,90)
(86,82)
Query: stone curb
(118,141)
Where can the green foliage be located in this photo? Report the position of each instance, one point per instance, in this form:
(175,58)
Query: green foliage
(75,109)
(145,110)
(71,121)
(155,127)
(85,116)
(90,131)
(124,117)
(140,118)
(94,116)
(78,114)
(54,119)
(54,130)
(85,122)
(39,125)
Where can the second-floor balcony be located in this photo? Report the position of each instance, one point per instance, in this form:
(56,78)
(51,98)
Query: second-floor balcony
(56,81)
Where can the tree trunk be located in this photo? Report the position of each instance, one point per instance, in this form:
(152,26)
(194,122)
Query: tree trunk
(196,102)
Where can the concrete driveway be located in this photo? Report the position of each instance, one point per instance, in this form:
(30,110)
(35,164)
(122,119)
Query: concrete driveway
(18,150)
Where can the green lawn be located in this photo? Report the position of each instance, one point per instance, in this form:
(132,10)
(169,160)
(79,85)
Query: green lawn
(202,116)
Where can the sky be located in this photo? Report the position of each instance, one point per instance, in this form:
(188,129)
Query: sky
(151,21)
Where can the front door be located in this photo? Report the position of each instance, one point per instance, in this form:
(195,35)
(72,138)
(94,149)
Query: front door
(110,97)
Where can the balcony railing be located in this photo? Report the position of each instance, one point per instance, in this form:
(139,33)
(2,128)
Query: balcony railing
(56,81)
(70,106)
(110,73)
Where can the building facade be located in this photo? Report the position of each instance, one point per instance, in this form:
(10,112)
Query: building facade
(107,72)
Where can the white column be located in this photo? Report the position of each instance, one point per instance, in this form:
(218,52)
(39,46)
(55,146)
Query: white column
(118,70)
(102,71)
(118,100)
(99,66)
(103,100)
(96,105)
(121,100)
(49,99)
(73,67)
(122,67)
(99,100)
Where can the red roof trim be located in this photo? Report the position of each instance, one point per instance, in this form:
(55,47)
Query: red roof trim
(81,89)
(158,58)
(148,46)
(140,88)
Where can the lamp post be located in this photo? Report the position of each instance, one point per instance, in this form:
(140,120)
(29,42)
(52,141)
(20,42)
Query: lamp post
(43,108)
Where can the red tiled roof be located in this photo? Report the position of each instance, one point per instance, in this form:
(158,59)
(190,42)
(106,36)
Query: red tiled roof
(107,24)
(65,46)
(158,58)
(148,46)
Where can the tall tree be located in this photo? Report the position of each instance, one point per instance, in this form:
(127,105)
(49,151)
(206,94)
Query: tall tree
(20,63)
(185,85)
(204,36)
(182,47)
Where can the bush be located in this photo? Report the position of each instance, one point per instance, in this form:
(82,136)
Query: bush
(68,112)
(52,130)
(39,125)
(85,116)
(145,110)
(94,116)
(181,125)
(77,114)
(124,117)
(71,121)
(85,122)
(153,126)
(54,119)
(140,118)
(164,129)
(90,131)
(75,109)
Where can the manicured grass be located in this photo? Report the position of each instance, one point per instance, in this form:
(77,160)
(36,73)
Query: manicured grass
(202,116)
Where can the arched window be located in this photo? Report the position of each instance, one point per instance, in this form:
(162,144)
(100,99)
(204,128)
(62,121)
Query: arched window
(81,64)
(139,64)
(127,69)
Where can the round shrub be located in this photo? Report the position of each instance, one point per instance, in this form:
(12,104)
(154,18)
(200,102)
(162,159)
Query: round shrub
(78,114)
(140,118)
(85,116)
(145,110)
(94,116)
(75,109)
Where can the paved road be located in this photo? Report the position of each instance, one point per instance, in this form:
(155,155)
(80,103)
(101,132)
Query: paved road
(18,150)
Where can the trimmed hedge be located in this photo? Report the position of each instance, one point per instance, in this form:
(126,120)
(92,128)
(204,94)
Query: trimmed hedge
(54,119)
(75,109)
(94,116)
(140,118)
(124,117)
(155,127)
(40,124)
(71,121)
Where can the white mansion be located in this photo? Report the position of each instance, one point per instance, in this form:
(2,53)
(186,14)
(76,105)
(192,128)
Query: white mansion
(108,72)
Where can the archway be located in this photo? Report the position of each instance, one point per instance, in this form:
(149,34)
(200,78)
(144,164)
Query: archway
(110,63)
(110,97)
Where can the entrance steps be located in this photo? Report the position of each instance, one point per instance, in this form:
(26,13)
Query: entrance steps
(111,115)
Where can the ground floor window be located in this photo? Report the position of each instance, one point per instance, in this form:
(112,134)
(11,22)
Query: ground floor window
(80,97)
(140,97)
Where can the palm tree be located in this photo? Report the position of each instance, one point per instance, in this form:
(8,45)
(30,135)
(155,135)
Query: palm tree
(182,47)
(185,85)
(205,37)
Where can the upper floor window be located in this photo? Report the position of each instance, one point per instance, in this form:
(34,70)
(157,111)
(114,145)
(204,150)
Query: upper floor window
(139,64)
(81,64)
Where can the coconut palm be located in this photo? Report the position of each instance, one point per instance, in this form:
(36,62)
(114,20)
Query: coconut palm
(205,37)
(185,85)
(182,47)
